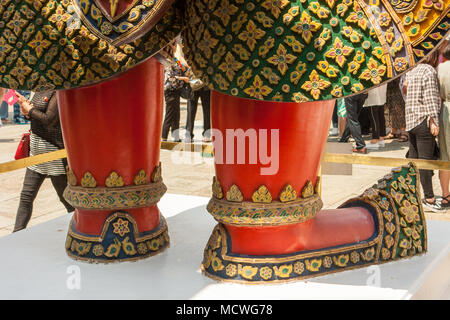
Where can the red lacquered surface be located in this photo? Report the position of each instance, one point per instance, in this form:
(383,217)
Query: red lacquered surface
(329,228)
(115,126)
(303,130)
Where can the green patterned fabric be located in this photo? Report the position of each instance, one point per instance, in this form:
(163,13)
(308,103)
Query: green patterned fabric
(298,51)
(43,44)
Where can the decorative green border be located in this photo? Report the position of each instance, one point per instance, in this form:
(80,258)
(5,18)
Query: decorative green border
(268,214)
(120,198)
(119,241)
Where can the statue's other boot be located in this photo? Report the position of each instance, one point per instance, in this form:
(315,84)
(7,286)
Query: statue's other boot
(265,198)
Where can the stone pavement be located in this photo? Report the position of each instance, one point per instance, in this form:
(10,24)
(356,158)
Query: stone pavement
(183,173)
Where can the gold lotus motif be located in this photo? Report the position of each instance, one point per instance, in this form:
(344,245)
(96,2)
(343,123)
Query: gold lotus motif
(71,178)
(141,178)
(262,195)
(288,194)
(247,272)
(308,190)
(317,186)
(217,189)
(114,180)
(88,181)
(234,194)
(283,271)
(157,174)
(128,247)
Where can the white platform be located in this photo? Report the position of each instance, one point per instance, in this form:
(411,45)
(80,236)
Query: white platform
(34,265)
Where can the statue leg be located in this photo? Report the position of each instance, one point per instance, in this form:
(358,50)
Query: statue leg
(271,226)
(112,133)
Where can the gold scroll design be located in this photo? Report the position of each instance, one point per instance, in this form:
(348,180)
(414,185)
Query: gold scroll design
(263,210)
(92,248)
(116,196)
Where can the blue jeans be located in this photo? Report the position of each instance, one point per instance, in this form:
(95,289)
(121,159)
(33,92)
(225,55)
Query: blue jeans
(4,110)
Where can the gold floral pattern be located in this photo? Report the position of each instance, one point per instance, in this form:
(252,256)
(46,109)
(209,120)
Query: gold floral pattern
(262,195)
(88,181)
(234,194)
(114,180)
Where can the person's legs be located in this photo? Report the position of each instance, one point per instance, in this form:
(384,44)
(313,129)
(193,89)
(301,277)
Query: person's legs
(444,179)
(4,111)
(176,119)
(191,112)
(31,184)
(171,105)
(206,107)
(425,149)
(353,106)
(374,124)
(60,183)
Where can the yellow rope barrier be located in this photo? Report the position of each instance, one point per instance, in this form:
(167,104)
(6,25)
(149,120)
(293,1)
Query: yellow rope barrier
(207,150)
(34,160)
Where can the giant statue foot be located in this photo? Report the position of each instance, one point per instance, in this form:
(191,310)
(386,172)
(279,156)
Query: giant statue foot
(112,133)
(266,200)
(390,214)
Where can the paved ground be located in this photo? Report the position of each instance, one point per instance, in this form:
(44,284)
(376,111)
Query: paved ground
(193,177)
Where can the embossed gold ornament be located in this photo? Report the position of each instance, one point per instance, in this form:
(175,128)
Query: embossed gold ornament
(157,173)
(114,180)
(71,178)
(88,181)
(288,194)
(308,190)
(262,195)
(141,178)
(217,188)
(234,194)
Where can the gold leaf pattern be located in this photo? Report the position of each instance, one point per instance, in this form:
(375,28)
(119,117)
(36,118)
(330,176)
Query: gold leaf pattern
(234,194)
(288,194)
(217,189)
(308,190)
(88,181)
(262,195)
(114,180)
(141,178)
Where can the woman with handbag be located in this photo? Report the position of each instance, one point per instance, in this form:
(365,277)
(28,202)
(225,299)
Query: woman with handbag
(46,136)
(174,83)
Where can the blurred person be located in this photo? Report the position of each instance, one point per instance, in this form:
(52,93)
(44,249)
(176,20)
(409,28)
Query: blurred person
(18,116)
(204,94)
(46,136)
(353,107)
(396,106)
(422,108)
(376,101)
(174,78)
(444,120)
(341,116)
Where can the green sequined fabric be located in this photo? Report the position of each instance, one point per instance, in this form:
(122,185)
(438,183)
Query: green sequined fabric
(43,44)
(297,51)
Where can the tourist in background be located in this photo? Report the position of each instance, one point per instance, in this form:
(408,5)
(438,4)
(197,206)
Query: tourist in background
(444,120)
(46,136)
(422,108)
(375,101)
(396,107)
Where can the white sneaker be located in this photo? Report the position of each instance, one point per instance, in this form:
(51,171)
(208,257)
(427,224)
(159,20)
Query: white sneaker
(372,146)
(381,144)
(333,132)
